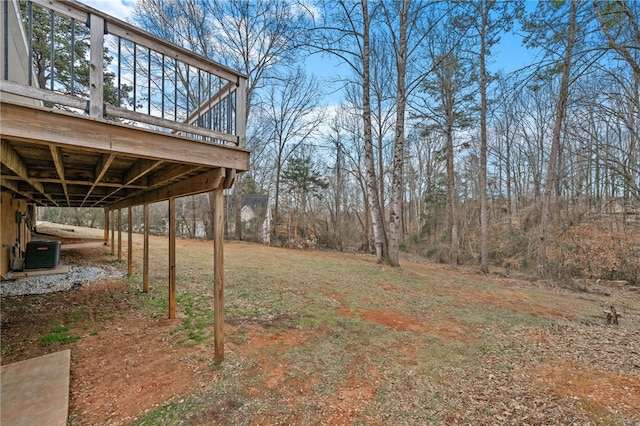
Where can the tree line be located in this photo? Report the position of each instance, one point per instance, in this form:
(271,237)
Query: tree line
(432,147)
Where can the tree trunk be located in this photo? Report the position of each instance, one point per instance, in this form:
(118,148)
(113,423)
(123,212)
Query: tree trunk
(379,233)
(338,196)
(276,202)
(555,141)
(397,187)
(452,214)
(484,204)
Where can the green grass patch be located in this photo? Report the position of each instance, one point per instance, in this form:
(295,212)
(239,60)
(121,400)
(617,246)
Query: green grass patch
(79,315)
(197,320)
(172,413)
(61,335)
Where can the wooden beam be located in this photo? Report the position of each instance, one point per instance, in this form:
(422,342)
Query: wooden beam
(135,172)
(172,258)
(145,261)
(56,154)
(177,126)
(101,168)
(193,185)
(12,160)
(129,241)
(230,177)
(96,70)
(120,235)
(218,274)
(78,193)
(214,100)
(42,95)
(70,182)
(241,109)
(169,173)
(67,129)
(106,226)
(113,230)
(138,170)
(13,186)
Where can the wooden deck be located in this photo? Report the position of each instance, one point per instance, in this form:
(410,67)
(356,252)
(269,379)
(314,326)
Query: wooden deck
(180,131)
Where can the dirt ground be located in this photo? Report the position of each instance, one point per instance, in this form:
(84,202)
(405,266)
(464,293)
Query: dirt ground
(128,360)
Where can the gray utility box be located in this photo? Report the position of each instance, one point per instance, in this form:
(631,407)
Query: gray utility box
(42,254)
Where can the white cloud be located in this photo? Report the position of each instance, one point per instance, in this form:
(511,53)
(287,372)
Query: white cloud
(121,9)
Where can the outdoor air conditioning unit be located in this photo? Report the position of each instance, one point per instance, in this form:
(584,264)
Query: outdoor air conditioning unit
(42,254)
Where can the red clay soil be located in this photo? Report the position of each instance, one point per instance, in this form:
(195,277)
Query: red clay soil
(133,363)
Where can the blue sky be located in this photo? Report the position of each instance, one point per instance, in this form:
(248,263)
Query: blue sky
(121,9)
(509,55)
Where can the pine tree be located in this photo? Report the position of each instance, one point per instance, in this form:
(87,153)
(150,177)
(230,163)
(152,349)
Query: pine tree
(67,70)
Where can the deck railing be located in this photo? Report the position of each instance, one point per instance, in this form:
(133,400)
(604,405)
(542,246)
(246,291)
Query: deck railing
(85,61)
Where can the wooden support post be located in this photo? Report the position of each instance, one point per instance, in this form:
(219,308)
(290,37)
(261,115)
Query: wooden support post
(106,226)
(218,274)
(113,230)
(96,57)
(119,235)
(129,241)
(145,266)
(172,258)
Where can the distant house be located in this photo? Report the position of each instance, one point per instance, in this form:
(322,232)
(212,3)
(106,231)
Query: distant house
(255,215)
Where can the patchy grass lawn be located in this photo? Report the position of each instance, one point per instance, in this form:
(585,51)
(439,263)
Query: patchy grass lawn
(333,338)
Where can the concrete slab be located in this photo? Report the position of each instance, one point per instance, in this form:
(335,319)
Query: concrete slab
(35,392)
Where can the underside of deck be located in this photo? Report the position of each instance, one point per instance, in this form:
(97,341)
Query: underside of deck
(55,158)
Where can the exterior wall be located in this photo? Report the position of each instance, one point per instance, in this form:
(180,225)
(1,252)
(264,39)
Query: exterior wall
(18,65)
(18,52)
(11,231)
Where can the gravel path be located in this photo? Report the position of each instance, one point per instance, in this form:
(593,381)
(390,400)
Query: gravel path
(78,275)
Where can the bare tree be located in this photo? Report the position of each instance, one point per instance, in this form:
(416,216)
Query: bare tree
(345,31)
(546,9)
(507,124)
(447,109)
(255,37)
(397,187)
(336,139)
(490,19)
(350,114)
(291,112)
(619,24)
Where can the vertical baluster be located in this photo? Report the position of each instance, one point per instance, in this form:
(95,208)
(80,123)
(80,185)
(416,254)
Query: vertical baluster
(175,90)
(135,71)
(119,71)
(228,130)
(198,122)
(30,15)
(219,105)
(187,91)
(210,95)
(53,48)
(149,82)
(162,89)
(73,57)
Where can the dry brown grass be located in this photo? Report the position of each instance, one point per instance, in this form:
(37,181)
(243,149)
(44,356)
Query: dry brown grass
(334,338)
